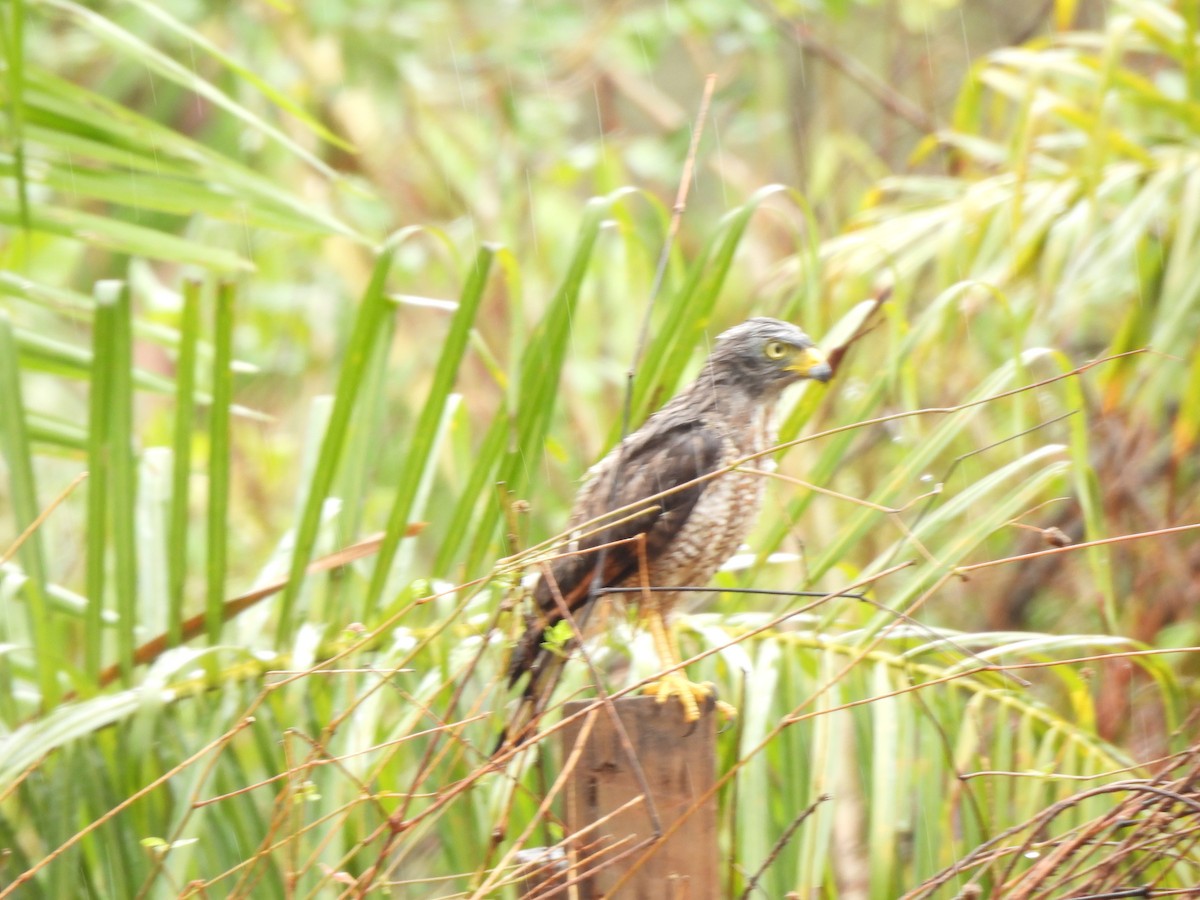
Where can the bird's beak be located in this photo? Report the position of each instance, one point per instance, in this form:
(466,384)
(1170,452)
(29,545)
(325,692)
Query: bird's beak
(811,363)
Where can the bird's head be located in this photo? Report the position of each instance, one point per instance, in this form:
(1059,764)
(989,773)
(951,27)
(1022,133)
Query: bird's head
(763,356)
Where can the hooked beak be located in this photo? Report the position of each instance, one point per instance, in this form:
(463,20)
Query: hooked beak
(811,363)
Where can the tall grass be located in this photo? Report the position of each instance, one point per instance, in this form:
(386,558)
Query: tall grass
(260,650)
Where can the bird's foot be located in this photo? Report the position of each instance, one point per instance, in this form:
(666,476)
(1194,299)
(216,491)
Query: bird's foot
(691,695)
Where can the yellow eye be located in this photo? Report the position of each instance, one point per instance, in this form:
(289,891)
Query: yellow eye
(775,350)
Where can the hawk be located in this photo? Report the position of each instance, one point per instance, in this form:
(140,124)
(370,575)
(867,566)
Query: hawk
(648,517)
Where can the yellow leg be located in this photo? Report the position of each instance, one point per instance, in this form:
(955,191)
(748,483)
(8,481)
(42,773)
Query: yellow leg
(676,683)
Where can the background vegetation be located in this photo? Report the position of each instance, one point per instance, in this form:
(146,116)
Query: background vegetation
(280,278)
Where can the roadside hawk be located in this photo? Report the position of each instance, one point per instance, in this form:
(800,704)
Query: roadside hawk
(647,517)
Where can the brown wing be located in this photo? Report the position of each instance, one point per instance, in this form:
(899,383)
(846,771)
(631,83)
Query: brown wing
(652,461)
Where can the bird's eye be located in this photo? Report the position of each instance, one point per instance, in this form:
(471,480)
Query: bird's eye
(776,350)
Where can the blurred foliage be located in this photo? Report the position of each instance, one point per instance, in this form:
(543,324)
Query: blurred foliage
(279,278)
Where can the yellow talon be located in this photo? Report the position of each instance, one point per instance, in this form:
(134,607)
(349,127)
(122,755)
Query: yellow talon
(676,684)
(691,695)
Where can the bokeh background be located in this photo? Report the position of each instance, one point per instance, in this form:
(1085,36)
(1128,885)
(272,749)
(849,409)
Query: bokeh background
(279,277)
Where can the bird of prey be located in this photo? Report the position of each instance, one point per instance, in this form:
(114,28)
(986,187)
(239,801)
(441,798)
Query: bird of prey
(653,514)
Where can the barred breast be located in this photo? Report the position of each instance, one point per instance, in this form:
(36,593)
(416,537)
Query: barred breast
(721,519)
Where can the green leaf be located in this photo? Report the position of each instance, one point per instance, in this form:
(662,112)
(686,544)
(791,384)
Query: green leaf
(14,441)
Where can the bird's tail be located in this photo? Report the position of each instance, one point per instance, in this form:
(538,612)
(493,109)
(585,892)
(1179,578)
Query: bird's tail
(544,668)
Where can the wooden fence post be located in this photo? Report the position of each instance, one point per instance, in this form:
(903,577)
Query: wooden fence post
(678,766)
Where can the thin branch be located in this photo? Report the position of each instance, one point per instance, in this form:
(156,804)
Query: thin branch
(887,97)
(781,843)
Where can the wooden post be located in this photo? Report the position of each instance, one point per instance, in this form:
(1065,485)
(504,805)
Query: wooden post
(678,765)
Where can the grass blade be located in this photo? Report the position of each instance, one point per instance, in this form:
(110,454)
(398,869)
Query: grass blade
(14,442)
(123,471)
(247,74)
(153,514)
(185,411)
(425,433)
(374,308)
(99,462)
(541,368)
(162,63)
(12,35)
(219,457)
